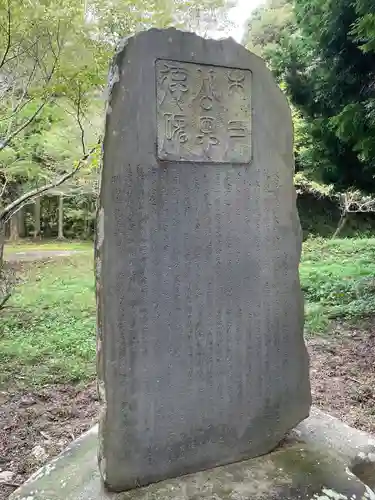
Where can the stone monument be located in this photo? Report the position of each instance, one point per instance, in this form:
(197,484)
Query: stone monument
(200,349)
(201,357)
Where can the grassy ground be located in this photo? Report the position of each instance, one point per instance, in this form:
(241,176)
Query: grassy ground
(338,279)
(47,334)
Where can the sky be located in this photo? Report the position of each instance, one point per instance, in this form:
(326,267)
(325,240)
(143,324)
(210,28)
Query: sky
(239,15)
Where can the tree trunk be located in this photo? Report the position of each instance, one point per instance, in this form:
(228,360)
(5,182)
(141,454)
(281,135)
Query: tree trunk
(5,283)
(2,243)
(21,223)
(14,234)
(340,227)
(86,220)
(61,218)
(37,218)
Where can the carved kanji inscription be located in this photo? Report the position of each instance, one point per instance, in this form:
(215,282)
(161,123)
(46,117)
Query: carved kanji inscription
(203,113)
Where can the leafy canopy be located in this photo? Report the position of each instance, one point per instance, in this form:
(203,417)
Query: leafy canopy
(54,57)
(328,67)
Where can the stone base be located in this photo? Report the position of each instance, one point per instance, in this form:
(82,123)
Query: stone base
(322,459)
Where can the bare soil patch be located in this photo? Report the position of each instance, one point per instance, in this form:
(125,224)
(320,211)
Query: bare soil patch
(343,375)
(37,425)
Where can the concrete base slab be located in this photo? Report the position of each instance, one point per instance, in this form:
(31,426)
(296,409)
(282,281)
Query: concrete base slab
(322,459)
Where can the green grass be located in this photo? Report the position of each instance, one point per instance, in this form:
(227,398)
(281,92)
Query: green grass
(47,335)
(338,280)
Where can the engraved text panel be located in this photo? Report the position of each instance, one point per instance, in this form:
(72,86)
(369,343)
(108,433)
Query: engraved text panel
(203,113)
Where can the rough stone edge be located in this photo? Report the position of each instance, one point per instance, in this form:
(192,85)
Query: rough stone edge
(112,79)
(98,243)
(322,430)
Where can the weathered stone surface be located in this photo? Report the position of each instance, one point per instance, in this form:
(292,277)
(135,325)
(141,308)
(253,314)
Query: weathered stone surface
(200,315)
(302,469)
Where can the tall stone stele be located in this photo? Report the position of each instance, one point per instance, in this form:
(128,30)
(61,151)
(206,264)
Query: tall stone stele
(201,356)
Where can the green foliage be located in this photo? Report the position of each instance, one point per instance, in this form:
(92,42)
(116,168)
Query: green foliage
(38,45)
(118,18)
(51,69)
(323,55)
(54,58)
(269,29)
(268,25)
(364,27)
(327,67)
(305,185)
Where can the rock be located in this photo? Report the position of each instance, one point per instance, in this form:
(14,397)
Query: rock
(6,476)
(27,401)
(39,453)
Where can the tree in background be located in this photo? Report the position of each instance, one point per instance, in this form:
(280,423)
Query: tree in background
(55,54)
(268,25)
(54,58)
(327,65)
(322,54)
(39,88)
(267,33)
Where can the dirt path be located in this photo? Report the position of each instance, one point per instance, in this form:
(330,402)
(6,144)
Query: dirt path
(31,255)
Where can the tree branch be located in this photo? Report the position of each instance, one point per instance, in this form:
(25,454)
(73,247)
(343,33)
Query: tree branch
(48,77)
(9,139)
(21,102)
(3,187)
(353,203)
(18,107)
(3,301)
(79,119)
(7,48)
(23,51)
(35,193)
